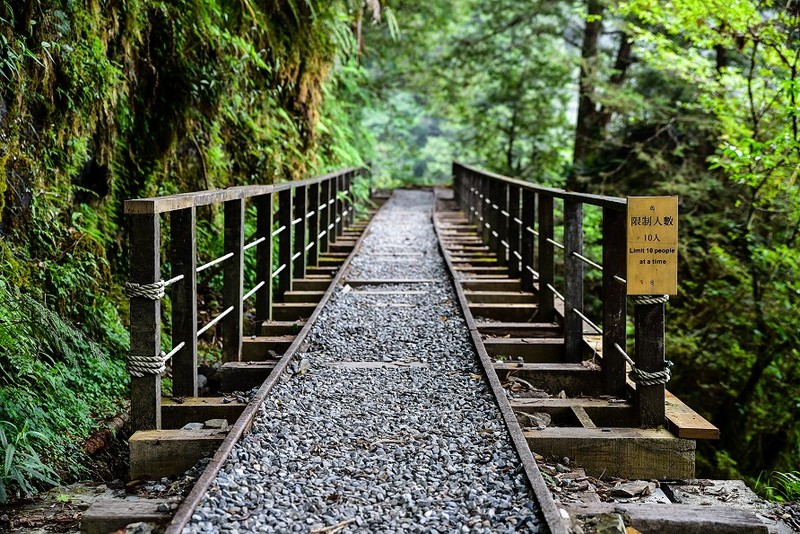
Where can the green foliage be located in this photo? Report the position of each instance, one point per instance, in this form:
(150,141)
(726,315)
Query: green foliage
(22,467)
(777,486)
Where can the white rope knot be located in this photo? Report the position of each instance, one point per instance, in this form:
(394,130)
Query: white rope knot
(140,366)
(650,299)
(154,291)
(655,378)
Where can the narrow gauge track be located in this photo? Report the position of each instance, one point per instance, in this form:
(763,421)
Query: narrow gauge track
(377,417)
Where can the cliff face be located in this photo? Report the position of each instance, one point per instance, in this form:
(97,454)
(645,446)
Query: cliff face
(105,100)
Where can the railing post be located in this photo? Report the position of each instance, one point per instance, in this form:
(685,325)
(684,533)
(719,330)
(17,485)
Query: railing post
(528,217)
(503,222)
(313,224)
(493,216)
(339,206)
(485,209)
(145,320)
(350,201)
(183,293)
(514,229)
(546,266)
(300,212)
(232,289)
(649,336)
(470,202)
(285,242)
(614,301)
(325,216)
(264,259)
(573,280)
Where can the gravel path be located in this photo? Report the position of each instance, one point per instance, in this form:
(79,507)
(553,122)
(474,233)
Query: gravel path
(413,442)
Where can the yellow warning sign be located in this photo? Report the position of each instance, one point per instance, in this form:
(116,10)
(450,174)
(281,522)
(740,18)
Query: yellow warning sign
(652,245)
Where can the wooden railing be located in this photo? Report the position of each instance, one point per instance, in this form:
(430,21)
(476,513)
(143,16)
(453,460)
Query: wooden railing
(306,217)
(518,221)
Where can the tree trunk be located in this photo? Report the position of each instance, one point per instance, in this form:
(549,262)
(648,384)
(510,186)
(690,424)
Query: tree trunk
(587,130)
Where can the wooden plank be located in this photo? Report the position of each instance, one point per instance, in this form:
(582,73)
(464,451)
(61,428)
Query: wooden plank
(538,350)
(583,417)
(494,297)
(160,453)
(520,329)
(145,262)
(281,328)
(572,378)
(685,422)
(531,405)
(302,296)
(504,312)
(633,453)
(256,348)
(498,284)
(183,293)
(175,414)
(243,376)
(683,518)
(233,274)
(292,311)
(389,281)
(375,365)
(112,515)
(311,284)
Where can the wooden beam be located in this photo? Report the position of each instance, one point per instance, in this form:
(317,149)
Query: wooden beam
(183,293)
(175,414)
(160,453)
(633,453)
(683,518)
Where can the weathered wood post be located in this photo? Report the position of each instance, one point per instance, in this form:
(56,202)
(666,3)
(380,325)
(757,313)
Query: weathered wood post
(183,293)
(485,208)
(350,201)
(503,222)
(614,301)
(339,205)
(313,224)
(264,258)
(546,263)
(284,242)
(649,317)
(300,212)
(145,327)
(325,216)
(514,231)
(528,217)
(232,288)
(493,215)
(573,280)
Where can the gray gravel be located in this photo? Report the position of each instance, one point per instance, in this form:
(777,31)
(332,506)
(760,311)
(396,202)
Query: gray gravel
(416,446)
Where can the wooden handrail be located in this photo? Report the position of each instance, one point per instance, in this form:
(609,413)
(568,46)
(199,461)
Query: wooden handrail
(299,246)
(167,203)
(516,219)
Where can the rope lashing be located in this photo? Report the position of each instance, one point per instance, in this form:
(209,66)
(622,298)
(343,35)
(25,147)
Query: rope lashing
(154,291)
(140,366)
(649,299)
(646,378)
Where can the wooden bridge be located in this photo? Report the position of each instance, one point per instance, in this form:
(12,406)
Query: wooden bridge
(547,312)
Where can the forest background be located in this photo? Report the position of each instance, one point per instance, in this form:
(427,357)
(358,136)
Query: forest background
(106,100)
